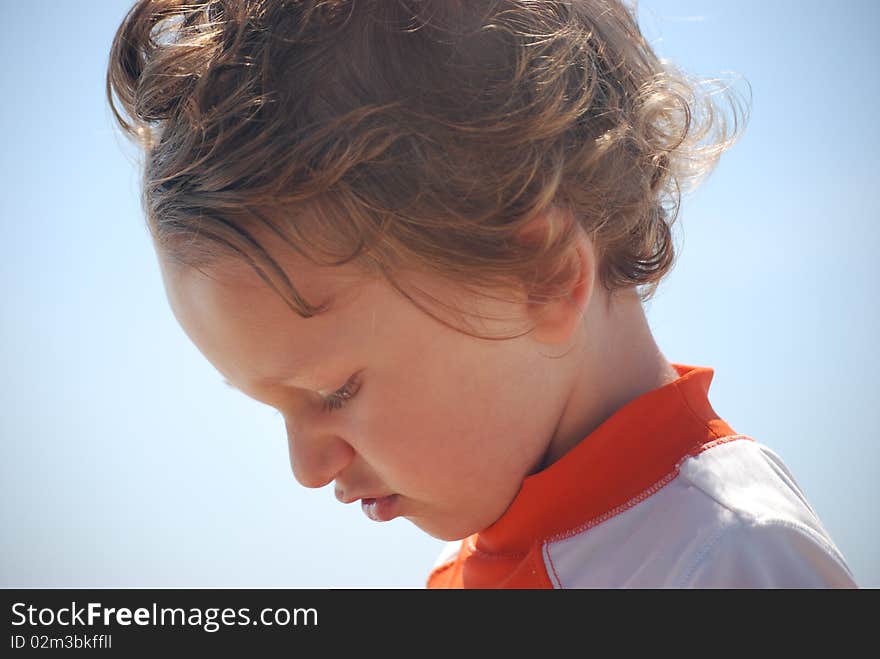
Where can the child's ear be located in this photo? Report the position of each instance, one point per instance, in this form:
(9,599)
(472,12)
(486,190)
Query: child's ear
(558,306)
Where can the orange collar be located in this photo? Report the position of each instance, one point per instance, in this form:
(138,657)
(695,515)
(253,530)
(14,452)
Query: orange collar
(638,448)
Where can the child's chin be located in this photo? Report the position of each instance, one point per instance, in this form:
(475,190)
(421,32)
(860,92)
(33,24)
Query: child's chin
(440,531)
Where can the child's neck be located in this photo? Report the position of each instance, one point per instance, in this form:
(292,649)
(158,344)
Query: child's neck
(616,361)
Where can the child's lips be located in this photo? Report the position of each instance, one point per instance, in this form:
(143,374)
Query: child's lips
(378,508)
(381,509)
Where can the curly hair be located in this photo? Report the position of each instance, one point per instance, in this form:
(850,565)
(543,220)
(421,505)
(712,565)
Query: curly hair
(416,135)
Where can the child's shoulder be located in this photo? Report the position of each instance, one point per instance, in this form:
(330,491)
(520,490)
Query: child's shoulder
(734,516)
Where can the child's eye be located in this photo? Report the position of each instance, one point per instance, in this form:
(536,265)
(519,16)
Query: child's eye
(341,396)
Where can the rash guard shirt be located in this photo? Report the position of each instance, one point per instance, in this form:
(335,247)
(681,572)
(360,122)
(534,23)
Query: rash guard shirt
(663,494)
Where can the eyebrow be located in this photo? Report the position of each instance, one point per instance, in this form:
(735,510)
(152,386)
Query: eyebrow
(259,382)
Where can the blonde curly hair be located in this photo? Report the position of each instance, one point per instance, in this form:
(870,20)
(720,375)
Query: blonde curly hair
(418,135)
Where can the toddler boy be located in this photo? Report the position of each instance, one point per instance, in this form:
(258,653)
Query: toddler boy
(423,231)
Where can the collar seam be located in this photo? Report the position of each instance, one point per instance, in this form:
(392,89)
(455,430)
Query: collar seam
(646,493)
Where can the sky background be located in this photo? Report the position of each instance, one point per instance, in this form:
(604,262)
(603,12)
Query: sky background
(126,462)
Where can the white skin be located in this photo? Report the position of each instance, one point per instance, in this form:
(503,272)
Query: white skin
(449,423)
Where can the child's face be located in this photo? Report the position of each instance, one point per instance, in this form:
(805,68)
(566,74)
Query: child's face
(446,426)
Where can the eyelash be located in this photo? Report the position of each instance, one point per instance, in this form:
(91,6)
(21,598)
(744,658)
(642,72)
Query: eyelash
(341,396)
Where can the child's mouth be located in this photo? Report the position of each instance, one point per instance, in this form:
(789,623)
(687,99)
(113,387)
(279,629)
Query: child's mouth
(382,509)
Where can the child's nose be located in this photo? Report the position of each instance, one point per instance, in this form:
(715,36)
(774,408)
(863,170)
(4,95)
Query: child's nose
(316,456)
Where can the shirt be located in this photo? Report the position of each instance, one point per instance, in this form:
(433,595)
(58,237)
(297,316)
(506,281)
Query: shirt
(663,494)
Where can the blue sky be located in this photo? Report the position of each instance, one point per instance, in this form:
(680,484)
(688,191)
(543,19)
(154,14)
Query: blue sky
(125,460)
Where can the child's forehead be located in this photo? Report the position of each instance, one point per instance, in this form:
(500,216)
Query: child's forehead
(254,338)
(234,281)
